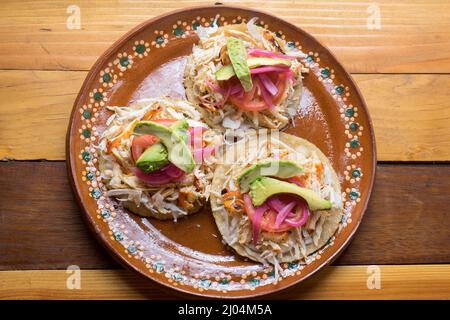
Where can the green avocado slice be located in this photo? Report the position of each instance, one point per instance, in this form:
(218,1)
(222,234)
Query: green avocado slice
(238,56)
(178,152)
(264,187)
(275,167)
(181,127)
(227,72)
(153,158)
(156,156)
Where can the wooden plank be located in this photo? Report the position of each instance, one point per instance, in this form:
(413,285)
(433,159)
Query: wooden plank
(413,36)
(335,282)
(411,114)
(44,228)
(39,103)
(41,227)
(404,222)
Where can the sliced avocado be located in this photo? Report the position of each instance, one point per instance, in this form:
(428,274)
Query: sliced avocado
(276,168)
(178,152)
(227,72)
(264,187)
(238,56)
(153,158)
(156,156)
(181,127)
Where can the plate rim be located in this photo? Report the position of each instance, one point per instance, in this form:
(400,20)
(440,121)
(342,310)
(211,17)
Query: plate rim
(101,237)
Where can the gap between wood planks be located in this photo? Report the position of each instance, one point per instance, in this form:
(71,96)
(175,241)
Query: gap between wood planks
(404,222)
(411,36)
(333,282)
(411,114)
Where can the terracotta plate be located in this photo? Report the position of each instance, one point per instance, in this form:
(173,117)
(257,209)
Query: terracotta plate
(188,255)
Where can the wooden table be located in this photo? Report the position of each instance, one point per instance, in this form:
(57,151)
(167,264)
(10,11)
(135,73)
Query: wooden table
(402,69)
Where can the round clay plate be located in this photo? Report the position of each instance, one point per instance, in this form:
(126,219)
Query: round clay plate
(188,255)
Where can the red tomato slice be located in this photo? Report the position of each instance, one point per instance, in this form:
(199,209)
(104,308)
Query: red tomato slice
(254,105)
(141,143)
(248,102)
(298,180)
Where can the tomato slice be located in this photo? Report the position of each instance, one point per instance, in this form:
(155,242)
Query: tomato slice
(298,180)
(165,122)
(249,102)
(141,143)
(254,105)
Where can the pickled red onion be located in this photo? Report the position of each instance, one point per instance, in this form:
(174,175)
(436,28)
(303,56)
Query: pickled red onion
(269,69)
(161,176)
(266,96)
(215,87)
(268,84)
(173,171)
(268,90)
(303,217)
(276,203)
(283,213)
(279,201)
(256,215)
(269,54)
(237,88)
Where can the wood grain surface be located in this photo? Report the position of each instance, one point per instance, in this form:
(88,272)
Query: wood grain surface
(334,282)
(42,228)
(413,36)
(410,113)
(402,69)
